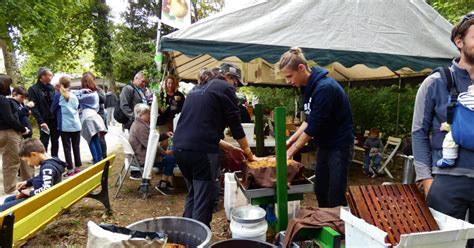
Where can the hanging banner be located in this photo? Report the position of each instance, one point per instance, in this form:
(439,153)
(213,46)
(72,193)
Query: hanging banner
(176,13)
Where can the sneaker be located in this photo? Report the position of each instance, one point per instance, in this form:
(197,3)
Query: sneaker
(163,191)
(69,174)
(170,186)
(135,175)
(162,187)
(77,170)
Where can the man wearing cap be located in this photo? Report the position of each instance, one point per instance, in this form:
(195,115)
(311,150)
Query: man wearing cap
(41,94)
(233,75)
(448,189)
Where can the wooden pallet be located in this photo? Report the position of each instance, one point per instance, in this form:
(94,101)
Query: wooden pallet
(396,209)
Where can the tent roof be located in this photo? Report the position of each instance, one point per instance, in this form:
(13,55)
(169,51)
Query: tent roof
(387,35)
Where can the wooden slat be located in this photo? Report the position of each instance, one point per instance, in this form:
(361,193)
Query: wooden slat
(392,215)
(382,217)
(424,208)
(395,209)
(416,213)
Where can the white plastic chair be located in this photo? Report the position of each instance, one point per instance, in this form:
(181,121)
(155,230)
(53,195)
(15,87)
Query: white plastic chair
(389,151)
(130,160)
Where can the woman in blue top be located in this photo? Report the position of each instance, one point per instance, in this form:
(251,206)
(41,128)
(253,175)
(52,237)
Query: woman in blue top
(92,123)
(66,108)
(328,122)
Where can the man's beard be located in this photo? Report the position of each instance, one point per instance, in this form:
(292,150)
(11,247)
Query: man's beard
(468,55)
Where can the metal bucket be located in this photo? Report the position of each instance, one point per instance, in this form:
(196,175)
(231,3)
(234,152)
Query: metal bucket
(239,243)
(180,230)
(408,176)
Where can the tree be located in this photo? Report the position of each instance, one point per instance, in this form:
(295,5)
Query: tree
(103,42)
(49,32)
(452,10)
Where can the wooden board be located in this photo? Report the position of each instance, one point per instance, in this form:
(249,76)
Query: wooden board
(396,209)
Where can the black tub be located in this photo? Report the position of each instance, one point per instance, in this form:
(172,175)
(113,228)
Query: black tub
(241,243)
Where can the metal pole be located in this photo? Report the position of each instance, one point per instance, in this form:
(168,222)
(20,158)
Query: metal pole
(281,170)
(398,104)
(259,130)
(153,137)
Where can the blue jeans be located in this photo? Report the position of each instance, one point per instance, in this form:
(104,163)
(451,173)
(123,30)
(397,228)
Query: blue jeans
(10,202)
(376,158)
(168,164)
(96,149)
(331,175)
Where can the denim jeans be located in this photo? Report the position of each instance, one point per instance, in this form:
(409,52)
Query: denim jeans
(10,202)
(96,149)
(168,164)
(53,135)
(376,158)
(331,175)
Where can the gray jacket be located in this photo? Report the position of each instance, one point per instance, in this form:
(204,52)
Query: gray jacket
(130,92)
(430,112)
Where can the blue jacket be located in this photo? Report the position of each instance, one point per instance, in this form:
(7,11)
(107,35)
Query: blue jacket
(67,114)
(23,114)
(430,112)
(328,111)
(51,171)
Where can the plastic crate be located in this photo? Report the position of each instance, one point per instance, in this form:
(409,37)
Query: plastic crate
(233,196)
(453,233)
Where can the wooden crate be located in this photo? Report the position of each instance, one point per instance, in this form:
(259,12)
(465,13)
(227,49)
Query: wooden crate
(396,209)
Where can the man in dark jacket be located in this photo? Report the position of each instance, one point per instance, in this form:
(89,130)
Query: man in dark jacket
(41,94)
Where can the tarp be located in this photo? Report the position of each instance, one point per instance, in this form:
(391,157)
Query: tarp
(402,36)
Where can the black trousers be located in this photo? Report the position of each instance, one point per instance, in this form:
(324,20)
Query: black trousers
(71,139)
(331,175)
(54,134)
(200,171)
(453,196)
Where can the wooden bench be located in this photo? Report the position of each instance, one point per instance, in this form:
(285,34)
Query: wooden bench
(22,221)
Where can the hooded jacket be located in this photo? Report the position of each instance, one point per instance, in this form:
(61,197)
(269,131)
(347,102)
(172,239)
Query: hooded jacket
(328,111)
(42,96)
(51,171)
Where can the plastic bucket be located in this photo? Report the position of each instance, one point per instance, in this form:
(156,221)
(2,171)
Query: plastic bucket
(180,230)
(249,131)
(239,243)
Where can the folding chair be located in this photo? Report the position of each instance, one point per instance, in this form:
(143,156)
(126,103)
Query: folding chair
(130,160)
(389,151)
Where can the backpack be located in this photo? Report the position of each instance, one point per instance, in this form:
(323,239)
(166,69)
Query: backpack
(119,115)
(458,116)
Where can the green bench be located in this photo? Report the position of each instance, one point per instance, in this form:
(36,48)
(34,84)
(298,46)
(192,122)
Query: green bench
(22,221)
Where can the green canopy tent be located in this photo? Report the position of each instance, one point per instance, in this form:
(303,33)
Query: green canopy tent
(355,40)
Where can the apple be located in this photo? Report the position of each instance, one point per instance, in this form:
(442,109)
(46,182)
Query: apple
(179,8)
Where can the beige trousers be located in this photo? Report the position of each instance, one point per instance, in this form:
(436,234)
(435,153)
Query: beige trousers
(10,144)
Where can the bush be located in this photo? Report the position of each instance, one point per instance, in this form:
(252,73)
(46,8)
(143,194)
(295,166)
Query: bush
(377,107)
(274,97)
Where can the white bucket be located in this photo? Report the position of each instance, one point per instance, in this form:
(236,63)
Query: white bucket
(248,222)
(249,131)
(253,231)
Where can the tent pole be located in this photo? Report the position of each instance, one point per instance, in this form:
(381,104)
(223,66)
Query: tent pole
(153,137)
(398,102)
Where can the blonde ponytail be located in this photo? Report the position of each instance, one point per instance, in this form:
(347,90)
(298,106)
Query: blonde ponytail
(292,58)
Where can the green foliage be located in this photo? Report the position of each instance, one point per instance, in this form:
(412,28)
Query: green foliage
(274,97)
(50,33)
(203,8)
(377,107)
(452,10)
(103,40)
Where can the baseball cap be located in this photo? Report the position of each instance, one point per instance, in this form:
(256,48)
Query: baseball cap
(234,71)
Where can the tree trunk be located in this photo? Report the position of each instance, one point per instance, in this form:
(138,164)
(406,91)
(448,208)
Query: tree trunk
(109,77)
(11,65)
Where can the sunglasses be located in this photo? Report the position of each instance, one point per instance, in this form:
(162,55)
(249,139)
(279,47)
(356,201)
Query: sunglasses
(466,18)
